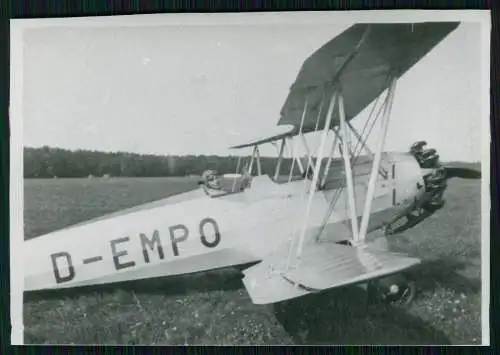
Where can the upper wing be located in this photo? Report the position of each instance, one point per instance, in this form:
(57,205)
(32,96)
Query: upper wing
(279,132)
(361,59)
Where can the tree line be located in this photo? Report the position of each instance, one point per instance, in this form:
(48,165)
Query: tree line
(48,162)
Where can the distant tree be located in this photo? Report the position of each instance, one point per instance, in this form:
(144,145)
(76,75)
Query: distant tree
(47,162)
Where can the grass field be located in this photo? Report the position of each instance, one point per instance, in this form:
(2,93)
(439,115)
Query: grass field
(214,308)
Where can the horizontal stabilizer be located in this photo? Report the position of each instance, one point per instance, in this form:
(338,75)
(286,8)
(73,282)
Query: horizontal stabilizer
(328,265)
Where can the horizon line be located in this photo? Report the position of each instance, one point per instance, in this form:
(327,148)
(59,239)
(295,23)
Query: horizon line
(199,154)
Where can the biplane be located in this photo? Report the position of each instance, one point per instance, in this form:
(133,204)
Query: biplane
(290,236)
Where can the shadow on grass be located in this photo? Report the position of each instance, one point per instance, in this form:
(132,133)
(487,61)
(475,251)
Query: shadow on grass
(445,272)
(216,280)
(339,316)
(342,316)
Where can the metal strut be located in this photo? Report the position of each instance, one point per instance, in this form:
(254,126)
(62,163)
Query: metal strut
(259,166)
(280,159)
(250,167)
(359,228)
(348,171)
(376,162)
(255,157)
(330,158)
(359,141)
(237,172)
(294,146)
(319,159)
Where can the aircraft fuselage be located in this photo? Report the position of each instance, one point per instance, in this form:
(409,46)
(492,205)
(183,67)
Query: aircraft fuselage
(193,232)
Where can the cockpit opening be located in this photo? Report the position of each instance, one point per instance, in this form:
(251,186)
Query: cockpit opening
(214,184)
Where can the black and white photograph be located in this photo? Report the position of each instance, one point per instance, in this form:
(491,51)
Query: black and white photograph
(251,179)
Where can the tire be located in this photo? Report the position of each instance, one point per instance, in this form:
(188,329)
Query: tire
(377,294)
(407,296)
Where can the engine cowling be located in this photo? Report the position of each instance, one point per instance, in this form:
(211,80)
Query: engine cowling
(434,179)
(434,176)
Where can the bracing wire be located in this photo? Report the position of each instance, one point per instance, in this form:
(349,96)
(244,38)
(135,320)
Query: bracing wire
(291,240)
(376,117)
(303,193)
(387,80)
(338,192)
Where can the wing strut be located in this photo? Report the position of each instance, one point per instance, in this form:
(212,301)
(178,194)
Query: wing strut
(330,157)
(360,141)
(237,172)
(376,162)
(304,141)
(348,171)
(280,159)
(359,227)
(319,159)
(294,146)
(255,157)
(250,167)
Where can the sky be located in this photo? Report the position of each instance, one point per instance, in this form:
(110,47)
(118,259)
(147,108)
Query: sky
(201,89)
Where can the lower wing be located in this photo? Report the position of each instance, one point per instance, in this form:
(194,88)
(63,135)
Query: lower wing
(322,266)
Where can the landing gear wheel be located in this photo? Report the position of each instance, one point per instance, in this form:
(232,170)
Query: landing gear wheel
(395,294)
(405,296)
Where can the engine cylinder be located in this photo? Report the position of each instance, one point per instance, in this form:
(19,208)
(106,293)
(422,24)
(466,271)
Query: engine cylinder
(435,179)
